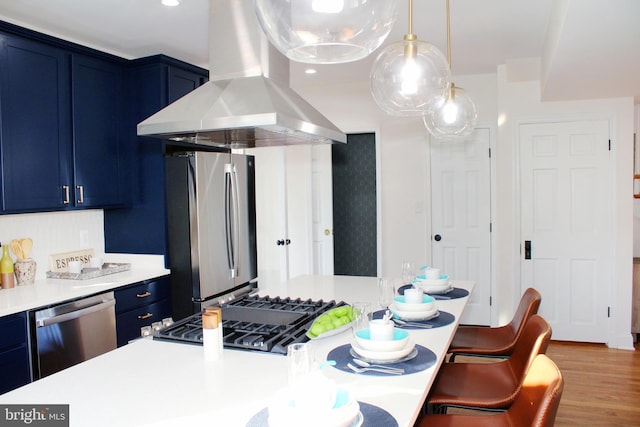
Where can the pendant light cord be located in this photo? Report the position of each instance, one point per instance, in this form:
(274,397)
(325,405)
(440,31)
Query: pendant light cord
(448,35)
(411,16)
(452,90)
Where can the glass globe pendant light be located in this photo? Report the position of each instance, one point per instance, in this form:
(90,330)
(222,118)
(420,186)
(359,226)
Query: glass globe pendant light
(453,115)
(326,31)
(407,75)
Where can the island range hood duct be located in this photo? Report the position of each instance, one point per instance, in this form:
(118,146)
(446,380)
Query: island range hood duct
(247,101)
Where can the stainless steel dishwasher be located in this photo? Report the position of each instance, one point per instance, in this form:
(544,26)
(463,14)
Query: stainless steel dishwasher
(73,332)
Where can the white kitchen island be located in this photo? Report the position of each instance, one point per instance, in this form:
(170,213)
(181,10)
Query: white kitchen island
(156,383)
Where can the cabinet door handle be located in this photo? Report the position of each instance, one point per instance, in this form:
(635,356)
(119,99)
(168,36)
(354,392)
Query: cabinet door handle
(146,294)
(145,316)
(81,193)
(66,194)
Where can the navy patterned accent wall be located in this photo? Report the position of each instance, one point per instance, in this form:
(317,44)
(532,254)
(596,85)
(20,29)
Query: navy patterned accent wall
(354,206)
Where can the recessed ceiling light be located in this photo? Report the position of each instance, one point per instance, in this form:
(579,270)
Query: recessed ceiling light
(310,71)
(170,2)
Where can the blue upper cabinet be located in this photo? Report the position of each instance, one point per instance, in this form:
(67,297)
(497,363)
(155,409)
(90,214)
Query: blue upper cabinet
(35,120)
(61,127)
(153,83)
(68,117)
(181,82)
(98,122)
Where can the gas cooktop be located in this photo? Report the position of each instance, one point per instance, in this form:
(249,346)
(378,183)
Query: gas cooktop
(265,323)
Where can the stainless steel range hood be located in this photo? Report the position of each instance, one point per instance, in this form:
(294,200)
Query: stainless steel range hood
(247,101)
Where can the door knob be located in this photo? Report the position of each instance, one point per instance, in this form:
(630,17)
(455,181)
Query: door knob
(437,237)
(327,231)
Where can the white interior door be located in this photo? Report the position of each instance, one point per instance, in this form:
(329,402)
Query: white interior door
(461,217)
(566,215)
(284,212)
(322,210)
(299,231)
(271,214)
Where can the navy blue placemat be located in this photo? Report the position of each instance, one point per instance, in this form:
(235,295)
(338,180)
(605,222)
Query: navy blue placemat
(443,319)
(374,416)
(453,294)
(424,360)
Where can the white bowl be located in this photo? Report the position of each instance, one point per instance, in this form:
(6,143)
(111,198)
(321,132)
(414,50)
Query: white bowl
(421,279)
(428,304)
(435,289)
(283,412)
(384,356)
(399,341)
(413,315)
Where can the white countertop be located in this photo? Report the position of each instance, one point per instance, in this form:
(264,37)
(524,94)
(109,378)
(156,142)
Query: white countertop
(52,291)
(155,383)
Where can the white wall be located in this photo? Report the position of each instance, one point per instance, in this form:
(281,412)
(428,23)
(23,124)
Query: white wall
(403,152)
(520,102)
(636,202)
(55,233)
(404,220)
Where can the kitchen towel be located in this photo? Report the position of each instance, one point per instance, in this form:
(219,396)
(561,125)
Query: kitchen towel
(454,293)
(373,416)
(424,360)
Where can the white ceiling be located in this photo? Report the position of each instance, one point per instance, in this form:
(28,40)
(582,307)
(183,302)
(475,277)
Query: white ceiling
(588,48)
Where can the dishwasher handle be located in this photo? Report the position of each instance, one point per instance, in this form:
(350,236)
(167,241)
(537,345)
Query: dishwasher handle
(75,314)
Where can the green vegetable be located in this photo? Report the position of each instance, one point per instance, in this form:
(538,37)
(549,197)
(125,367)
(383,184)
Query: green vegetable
(330,320)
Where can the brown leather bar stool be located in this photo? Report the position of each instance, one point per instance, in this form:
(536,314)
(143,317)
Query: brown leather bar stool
(490,386)
(499,341)
(535,405)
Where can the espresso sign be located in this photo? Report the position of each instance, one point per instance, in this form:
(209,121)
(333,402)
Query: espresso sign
(58,263)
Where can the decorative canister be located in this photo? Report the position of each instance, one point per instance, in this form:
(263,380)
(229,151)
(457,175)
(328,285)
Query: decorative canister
(25,271)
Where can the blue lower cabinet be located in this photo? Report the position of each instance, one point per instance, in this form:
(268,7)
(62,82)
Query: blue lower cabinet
(141,305)
(15,368)
(129,323)
(15,364)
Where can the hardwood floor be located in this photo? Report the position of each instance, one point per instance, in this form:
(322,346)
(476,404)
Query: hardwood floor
(601,385)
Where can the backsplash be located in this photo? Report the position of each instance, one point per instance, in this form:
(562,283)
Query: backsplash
(55,232)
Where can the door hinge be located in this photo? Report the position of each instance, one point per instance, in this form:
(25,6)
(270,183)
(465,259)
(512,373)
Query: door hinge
(609,145)
(490,301)
(489,152)
(608,311)
(490,227)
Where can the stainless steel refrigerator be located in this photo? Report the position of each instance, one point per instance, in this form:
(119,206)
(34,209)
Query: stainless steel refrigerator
(211,228)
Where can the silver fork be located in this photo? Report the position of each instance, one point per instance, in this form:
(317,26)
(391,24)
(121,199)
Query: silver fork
(364,364)
(413,324)
(380,370)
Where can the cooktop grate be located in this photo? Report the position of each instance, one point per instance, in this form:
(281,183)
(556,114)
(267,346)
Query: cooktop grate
(264,323)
